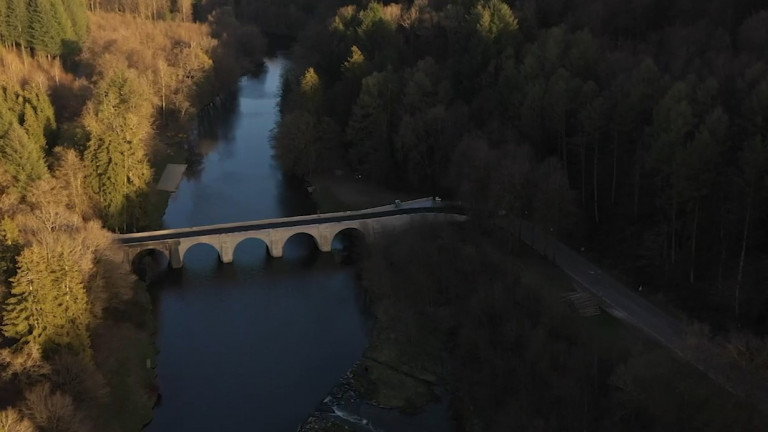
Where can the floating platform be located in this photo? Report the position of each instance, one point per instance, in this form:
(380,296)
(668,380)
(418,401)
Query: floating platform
(171,177)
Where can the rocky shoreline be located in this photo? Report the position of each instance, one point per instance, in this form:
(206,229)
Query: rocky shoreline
(347,409)
(336,411)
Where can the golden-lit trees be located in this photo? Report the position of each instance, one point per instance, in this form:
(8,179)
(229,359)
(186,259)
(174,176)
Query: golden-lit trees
(12,421)
(26,116)
(118,120)
(49,303)
(72,173)
(173,59)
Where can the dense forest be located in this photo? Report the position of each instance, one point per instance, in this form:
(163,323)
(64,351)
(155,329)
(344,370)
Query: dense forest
(90,102)
(516,357)
(635,130)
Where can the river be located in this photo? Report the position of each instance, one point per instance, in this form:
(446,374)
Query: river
(253,345)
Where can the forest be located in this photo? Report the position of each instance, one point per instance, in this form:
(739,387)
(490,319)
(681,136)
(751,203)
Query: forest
(515,356)
(93,96)
(635,131)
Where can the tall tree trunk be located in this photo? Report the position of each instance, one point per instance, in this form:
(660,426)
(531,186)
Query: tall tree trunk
(692,278)
(665,249)
(594,182)
(564,149)
(674,230)
(722,255)
(743,249)
(584,174)
(637,179)
(24,55)
(615,157)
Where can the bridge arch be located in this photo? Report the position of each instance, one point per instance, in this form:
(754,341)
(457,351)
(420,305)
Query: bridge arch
(348,243)
(150,263)
(297,237)
(251,243)
(185,248)
(350,232)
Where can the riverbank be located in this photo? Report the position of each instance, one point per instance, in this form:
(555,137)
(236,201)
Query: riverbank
(382,389)
(341,191)
(496,335)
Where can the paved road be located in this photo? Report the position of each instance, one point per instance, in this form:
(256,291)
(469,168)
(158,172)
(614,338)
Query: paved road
(405,209)
(626,304)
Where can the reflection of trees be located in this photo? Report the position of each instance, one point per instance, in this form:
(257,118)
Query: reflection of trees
(216,120)
(195,163)
(216,124)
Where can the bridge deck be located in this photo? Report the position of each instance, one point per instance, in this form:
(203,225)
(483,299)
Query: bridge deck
(411,207)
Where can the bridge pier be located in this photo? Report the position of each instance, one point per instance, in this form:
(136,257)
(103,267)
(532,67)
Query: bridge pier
(175,257)
(324,239)
(276,247)
(226,252)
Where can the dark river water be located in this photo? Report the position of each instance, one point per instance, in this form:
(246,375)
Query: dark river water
(253,345)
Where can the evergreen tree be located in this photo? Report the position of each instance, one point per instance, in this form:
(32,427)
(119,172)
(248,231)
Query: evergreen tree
(49,303)
(21,158)
(673,120)
(38,117)
(303,142)
(61,18)
(118,120)
(311,92)
(4,30)
(46,29)
(15,22)
(370,127)
(76,15)
(421,134)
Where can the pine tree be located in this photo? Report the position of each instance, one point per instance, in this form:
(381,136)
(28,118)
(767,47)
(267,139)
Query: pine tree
(369,130)
(311,92)
(38,117)
(5,37)
(21,158)
(119,121)
(61,19)
(302,142)
(49,303)
(421,130)
(45,28)
(78,18)
(15,22)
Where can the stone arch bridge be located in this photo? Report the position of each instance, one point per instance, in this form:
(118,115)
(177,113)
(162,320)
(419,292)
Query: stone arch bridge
(276,232)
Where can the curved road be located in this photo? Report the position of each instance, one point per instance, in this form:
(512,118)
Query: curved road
(626,304)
